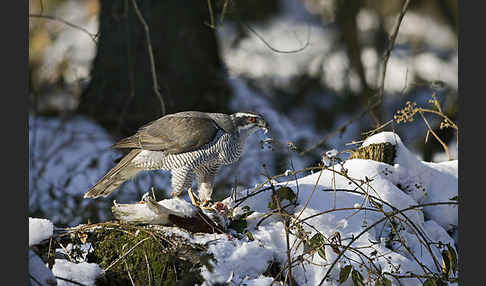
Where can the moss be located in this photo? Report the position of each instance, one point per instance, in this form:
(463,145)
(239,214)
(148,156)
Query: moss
(154,260)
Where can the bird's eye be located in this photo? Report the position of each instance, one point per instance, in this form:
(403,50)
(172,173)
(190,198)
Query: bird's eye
(252,119)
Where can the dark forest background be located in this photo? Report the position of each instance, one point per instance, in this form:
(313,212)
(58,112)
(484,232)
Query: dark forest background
(313,65)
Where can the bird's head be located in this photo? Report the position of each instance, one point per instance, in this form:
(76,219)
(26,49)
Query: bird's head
(249,122)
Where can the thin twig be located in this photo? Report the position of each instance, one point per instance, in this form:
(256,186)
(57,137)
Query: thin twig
(310,196)
(440,113)
(334,184)
(371,132)
(128,271)
(286,227)
(241,200)
(34,279)
(387,215)
(126,253)
(130,73)
(151,56)
(70,281)
(431,130)
(278,50)
(395,212)
(382,83)
(67,252)
(41,6)
(295,177)
(380,209)
(211,15)
(390,47)
(223,11)
(149,275)
(93,37)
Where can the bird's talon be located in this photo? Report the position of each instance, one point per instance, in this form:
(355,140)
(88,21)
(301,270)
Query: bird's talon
(193,197)
(207,205)
(207,202)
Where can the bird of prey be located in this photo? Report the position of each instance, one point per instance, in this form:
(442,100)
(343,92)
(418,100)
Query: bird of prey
(189,144)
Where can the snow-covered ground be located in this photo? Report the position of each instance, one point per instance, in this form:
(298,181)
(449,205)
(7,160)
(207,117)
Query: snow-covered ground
(63,271)
(66,159)
(365,212)
(68,156)
(83,272)
(39,229)
(420,183)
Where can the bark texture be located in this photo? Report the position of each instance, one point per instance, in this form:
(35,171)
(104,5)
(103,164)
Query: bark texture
(189,69)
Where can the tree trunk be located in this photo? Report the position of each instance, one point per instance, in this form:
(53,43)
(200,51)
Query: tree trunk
(189,70)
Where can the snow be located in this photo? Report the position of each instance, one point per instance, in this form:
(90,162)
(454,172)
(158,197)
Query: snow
(431,68)
(426,182)
(76,252)
(329,203)
(65,163)
(71,46)
(367,19)
(253,59)
(179,207)
(143,213)
(453,151)
(39,230)
(252,258)
(84,273)
(69,156)
(39,271)
(66,158)
(418,27)
(240,260)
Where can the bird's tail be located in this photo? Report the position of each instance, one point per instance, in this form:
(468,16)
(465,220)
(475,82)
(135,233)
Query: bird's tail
(115,177)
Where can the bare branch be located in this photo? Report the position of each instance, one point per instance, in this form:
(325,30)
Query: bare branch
(93,37)
(431,130)
(34,279)
(395,212)
(211,15)
(151,55)
(285,222)
(390,47)
(41,6)
(382,84)
(277,50)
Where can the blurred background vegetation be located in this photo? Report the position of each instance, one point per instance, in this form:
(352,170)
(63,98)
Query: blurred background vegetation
(312,66)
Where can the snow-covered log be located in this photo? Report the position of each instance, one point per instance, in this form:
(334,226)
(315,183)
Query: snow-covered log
(174,211)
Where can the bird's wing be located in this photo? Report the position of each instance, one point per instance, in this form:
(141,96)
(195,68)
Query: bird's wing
(173,134)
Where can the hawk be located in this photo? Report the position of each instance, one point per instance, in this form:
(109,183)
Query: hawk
(189,144)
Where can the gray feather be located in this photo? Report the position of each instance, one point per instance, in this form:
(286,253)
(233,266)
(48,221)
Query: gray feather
(115,177)
(173,134)
(188,143)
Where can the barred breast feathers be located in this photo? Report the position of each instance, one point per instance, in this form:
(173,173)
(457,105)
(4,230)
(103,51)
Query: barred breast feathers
(154,160)
(232,148)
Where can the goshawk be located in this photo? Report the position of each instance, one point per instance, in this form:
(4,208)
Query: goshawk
(189,144)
